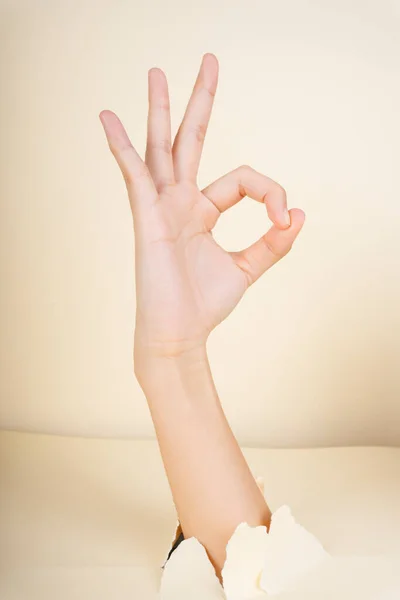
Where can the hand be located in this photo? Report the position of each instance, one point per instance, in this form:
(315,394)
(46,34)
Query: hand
(185,282)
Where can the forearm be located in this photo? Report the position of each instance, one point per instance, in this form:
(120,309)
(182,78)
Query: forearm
(211,483)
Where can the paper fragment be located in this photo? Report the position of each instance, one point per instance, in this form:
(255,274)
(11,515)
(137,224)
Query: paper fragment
(189,575)
(258,563)
(291,553)
(244,563)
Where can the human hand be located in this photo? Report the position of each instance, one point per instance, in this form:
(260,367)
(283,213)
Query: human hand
(186,284)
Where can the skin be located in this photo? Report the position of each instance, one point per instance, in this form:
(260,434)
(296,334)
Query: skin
(186,284)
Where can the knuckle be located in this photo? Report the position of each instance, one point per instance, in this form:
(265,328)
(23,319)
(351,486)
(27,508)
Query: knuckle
(127,178)
(164,105)
(280,189)
(210,92)
(122,147)
(165,185)
(277,252)
(245,169)
(199,131)
(131,176)
(113,147)
(164,145)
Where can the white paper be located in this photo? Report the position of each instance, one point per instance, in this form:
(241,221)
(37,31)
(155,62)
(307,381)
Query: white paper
(290,554)
(189,575)
(288,563)
(244,563)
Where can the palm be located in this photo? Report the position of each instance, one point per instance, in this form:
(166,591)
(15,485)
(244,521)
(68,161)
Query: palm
(204,282)
(185,282)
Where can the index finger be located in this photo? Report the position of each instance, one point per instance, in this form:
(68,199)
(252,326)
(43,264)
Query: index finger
(245,181)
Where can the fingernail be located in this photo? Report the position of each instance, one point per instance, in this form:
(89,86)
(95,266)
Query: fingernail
(287,218)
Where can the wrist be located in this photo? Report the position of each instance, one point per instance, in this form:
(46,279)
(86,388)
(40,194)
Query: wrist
(158,367)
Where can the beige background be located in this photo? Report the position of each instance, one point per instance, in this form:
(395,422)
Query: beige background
(309,94)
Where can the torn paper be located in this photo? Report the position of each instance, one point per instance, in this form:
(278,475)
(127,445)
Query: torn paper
(258,563)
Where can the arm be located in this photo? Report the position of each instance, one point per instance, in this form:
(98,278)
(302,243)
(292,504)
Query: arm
(212,486)
(185,285)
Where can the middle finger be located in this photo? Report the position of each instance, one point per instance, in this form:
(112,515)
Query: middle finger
(189,140)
